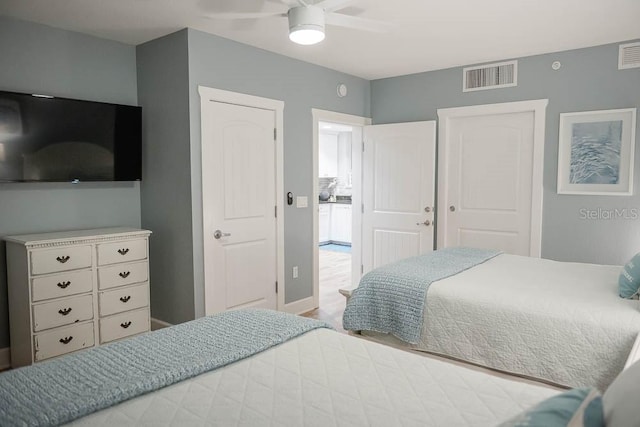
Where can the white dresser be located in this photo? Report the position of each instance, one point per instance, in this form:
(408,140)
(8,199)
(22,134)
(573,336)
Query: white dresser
(75,289)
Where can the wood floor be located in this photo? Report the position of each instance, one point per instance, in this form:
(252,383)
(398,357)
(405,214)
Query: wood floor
(335,273)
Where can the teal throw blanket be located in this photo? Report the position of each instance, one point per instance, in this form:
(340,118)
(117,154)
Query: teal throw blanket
(391,298)
(60,390)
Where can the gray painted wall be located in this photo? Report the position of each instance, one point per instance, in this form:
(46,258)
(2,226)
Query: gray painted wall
(588,80)
(163,93)
(228,65)
(40,59)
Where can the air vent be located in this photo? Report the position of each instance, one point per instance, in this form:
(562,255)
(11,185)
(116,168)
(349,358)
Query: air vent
(629,56)
(490,76)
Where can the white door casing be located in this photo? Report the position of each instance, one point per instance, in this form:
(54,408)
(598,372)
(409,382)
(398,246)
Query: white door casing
(490,176)
(398,192)
(241,184)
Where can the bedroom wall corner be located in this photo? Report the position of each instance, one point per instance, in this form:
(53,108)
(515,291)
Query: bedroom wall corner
(163,93)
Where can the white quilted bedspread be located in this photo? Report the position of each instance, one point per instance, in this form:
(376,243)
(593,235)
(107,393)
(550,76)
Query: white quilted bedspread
(558,321)
(324,378)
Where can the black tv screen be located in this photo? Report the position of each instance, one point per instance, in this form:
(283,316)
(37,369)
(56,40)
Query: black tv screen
(65,140)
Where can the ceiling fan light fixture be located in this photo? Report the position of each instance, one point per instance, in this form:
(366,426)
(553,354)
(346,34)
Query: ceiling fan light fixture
(306,25)
(307,36)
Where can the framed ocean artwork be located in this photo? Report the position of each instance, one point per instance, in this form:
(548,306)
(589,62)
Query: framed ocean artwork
(596,152)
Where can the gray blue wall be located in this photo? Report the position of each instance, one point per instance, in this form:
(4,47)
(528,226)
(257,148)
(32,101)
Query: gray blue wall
(588,80)
(39,59)
(223,64)
(163,93)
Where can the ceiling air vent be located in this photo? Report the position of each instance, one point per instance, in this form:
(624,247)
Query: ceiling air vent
(490,76)
(629,56)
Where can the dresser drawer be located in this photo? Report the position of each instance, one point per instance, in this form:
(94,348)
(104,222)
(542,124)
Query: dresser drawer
(125,251)
(63,340)
(124,325)
(122,274)
(60,259)
(62,312)
(123,299)
(61,285)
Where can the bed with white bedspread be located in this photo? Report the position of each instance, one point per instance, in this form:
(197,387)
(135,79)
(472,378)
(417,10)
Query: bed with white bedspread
(324,378)
(298,373)
(556,321)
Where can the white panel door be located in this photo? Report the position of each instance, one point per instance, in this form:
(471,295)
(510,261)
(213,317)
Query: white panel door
(488,186)
(398,192)
(239,223)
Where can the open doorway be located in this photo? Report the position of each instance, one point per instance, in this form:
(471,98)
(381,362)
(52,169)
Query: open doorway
(337,210)
(335,226)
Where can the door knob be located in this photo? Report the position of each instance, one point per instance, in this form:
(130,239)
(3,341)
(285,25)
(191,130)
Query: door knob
(218,234)
(427,209)
(426,222)
(452,208)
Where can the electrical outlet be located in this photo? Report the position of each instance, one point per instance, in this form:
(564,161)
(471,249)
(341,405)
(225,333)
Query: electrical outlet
(295,272)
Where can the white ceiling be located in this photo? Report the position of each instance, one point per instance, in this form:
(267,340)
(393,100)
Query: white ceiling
(426,34)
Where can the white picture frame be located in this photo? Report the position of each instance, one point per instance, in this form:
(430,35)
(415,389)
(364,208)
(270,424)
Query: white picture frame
(596,152)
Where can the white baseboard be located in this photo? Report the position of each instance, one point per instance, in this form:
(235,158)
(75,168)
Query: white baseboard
(158,324)
(300,306)
(5,358)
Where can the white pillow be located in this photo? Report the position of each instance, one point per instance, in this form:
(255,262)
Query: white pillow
(622,399)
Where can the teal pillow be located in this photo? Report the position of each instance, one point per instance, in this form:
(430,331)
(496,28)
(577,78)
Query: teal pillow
(629,280)
(578,407)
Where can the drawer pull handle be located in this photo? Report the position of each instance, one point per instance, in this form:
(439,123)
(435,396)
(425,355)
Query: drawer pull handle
(66,340)
(123,251)
(125,299)
(65,311)
(63,259)
(124,274)
(126,324)
(63,285)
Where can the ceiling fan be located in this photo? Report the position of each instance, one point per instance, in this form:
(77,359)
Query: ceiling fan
(307,20)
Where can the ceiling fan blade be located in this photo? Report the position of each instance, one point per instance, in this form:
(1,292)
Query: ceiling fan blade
(332,5)
(241,15)
(349,21)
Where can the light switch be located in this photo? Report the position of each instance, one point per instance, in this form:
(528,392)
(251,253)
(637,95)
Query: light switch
(302,202)
(295,272)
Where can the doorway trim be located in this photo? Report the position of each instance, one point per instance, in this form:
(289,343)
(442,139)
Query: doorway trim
(356,197)
(208,94)
(538,107)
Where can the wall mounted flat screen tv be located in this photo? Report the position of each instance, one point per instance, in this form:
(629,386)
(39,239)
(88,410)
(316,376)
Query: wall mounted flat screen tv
(65,140)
